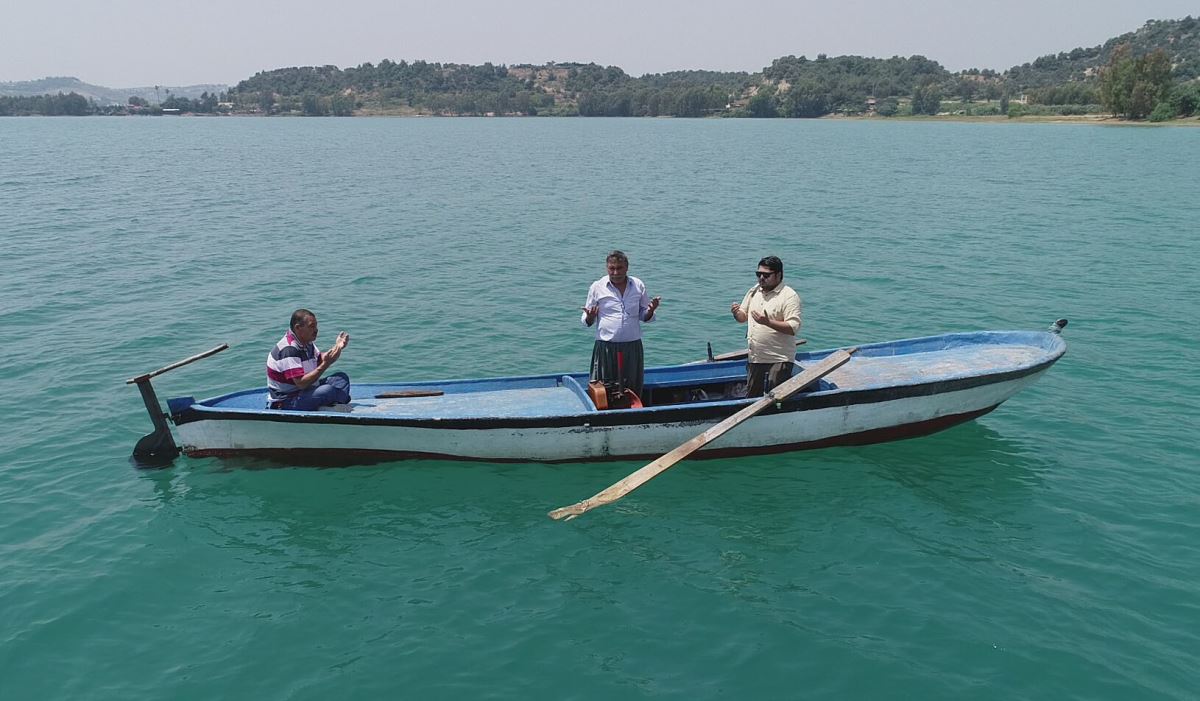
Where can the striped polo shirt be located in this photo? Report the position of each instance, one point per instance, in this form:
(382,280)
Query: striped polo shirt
(287,362)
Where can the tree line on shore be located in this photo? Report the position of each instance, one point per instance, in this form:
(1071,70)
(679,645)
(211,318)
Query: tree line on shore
(1151,73)
(75,105)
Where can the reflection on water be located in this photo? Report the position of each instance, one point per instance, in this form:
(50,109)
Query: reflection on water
(797,524)
(317,512)
(959,464)
(968,490)
(970,468)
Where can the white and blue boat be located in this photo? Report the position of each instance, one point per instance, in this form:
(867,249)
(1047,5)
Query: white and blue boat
(886,391)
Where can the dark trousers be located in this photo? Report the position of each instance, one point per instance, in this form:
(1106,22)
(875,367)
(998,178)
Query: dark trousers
(761,377)
(331,389)
(632,363)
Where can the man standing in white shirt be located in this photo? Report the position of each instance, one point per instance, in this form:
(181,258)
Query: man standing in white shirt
(773,311)
(620,303)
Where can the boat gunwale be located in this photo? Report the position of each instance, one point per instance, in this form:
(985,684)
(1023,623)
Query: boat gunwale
(1052,345)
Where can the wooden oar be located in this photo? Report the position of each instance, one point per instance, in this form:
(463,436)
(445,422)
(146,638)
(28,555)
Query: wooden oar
(403,393)
(815,372)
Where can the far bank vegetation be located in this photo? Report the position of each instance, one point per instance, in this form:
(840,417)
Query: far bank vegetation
(1152,73)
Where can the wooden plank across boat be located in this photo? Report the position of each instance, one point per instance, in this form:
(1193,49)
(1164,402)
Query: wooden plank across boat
(886,391)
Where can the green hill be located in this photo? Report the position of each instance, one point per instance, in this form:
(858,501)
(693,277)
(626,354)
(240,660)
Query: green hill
(792,87)
(1064,83)
(1179,38)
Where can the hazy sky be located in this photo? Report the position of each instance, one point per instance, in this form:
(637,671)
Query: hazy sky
(129,43)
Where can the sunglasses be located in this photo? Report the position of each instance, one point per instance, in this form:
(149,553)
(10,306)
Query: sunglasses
(761,273)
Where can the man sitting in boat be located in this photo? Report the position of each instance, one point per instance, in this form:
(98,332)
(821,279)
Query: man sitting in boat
(620,303)
(295,366)
(773,311)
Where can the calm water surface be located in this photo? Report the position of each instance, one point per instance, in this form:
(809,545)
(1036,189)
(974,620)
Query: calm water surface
(1046,551)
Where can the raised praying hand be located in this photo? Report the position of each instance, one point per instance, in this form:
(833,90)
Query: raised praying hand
(591,312)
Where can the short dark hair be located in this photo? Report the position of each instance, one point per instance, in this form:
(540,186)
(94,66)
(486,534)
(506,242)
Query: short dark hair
(773,263)
(619,256)
(300,316)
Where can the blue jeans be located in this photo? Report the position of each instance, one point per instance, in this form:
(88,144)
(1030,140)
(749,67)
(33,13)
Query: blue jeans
(334,389)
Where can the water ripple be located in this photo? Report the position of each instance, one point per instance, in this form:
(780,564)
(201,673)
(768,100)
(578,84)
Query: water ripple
(1046,550)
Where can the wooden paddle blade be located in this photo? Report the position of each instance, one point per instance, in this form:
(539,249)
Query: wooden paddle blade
(813,373)
(400,394)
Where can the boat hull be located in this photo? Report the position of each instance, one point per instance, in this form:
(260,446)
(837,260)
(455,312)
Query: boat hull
(811,421)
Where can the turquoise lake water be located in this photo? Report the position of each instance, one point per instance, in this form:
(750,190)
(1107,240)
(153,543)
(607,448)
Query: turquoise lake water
(1049,550)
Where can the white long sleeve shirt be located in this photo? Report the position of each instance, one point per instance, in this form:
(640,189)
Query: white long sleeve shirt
(621,315)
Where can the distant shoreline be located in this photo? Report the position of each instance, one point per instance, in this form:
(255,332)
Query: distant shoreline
(1093,119)
(1087,119)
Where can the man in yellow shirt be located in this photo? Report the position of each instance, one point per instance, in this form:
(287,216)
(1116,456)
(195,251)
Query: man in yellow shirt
(773,312)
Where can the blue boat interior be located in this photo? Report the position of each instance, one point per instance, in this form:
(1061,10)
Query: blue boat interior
(893,363)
